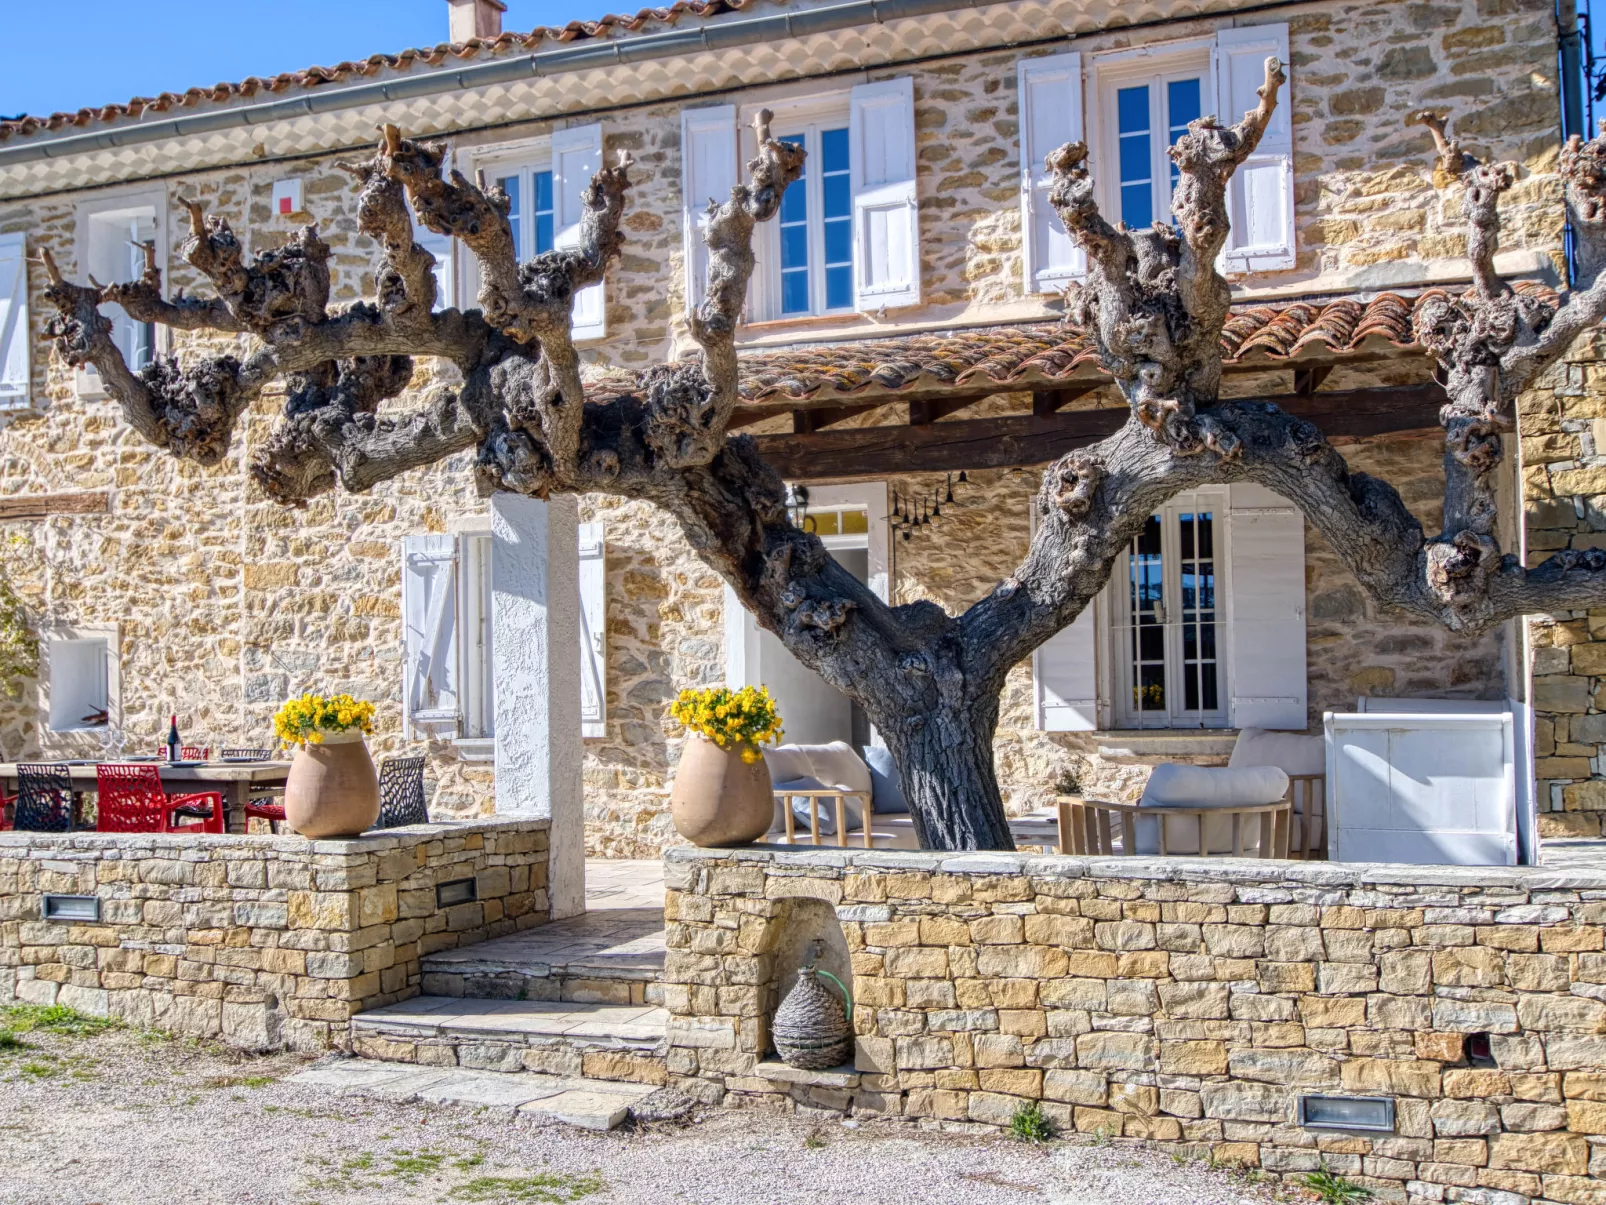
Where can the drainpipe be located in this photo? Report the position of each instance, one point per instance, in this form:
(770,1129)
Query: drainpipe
(596,53)
(1570,60)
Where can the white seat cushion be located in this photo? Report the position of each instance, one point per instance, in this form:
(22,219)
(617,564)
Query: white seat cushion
(818,767)
(1290,752)
(1206,787)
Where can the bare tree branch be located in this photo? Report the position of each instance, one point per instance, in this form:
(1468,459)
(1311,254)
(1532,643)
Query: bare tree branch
(688,414)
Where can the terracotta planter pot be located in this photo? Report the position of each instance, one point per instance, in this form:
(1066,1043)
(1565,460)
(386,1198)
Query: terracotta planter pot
(718,799)
(332,789)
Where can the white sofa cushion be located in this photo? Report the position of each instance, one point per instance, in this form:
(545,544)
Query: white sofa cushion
(1214,786)
(818,767)
(1206,787)
(1290,752)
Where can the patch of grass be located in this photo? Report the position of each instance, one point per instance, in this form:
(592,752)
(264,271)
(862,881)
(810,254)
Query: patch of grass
(9,1041)
(814,1142)
(1334,1189)
(552,1188)
(412,1165)
(238,1081)
(54,1018)
(40,1070)
(1030,1125)
(468,1162)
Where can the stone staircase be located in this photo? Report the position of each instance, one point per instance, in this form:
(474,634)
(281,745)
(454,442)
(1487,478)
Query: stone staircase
(578,998)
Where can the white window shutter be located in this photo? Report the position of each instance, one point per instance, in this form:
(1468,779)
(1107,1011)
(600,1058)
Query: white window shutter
(886,209)
(576,157)
(429,619)
(593,631)
(1260,196)
(1266,584)
(1065,677)
(1050,116)
(15,367)
(708,173)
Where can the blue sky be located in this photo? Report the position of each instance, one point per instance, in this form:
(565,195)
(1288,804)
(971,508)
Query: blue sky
(92,52)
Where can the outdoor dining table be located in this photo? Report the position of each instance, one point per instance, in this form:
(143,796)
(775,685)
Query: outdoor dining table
(238,781)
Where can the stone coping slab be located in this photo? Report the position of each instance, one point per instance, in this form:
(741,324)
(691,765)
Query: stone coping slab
(210,843)
(681,863)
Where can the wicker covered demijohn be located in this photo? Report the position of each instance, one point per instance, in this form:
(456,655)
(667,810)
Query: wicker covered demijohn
(811,1029)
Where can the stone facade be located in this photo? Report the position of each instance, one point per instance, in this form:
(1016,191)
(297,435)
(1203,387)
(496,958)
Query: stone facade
(264,942)
(1183,1003)
(225,603)
(1564,489)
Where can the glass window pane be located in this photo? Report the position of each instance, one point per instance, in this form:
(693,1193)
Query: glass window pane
(795,292)
(839,241)
(794,246)
(1150,694)
(839,287)
(1182,106)
(1148,543)
(834,150)
(1207,526)
(1186,523)
(855,522)
(1209,700)
(543,233)
(543,191)
(822,523)
(1135,161)
(1132,109)
(838,196)
(515,213)
(1137,205)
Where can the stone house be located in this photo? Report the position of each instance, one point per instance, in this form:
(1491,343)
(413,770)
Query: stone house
(907,365)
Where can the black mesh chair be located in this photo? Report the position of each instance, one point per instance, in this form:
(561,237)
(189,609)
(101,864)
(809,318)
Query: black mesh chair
(44,799)
(247,754)
(401,792)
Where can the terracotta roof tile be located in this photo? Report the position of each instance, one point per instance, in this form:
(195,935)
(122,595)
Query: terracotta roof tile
(314,77)
(1042,354)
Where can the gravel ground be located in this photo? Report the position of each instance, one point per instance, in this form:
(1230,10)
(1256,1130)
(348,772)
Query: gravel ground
(121,1117)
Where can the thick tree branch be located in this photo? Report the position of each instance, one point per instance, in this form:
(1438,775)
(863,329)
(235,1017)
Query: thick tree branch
(689,412)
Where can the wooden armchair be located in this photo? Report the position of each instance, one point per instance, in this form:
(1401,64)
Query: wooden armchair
(1087,826)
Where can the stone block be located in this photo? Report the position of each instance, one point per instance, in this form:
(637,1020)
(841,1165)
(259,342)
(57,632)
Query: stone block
(1294,1068)
(1395,1077)
(1558,1153)
(924,1053)
(1204,1057)
(1464,1118)
(1116,1051)
(1246,1102)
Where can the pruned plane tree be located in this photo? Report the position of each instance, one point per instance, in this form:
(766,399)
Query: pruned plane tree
(930,682)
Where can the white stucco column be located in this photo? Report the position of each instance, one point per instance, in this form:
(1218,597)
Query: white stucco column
(535,642)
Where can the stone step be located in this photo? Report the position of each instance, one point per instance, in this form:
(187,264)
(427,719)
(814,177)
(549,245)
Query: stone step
(593,1104)
(601,958)
(593,1041)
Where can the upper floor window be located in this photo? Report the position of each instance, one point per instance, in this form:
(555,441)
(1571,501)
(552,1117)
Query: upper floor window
(112,235)
(1144,107)
(847,234)
(1131,107)
(545,180)
(816,224)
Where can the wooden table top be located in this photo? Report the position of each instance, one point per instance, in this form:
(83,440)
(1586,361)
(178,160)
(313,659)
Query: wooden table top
(212,771)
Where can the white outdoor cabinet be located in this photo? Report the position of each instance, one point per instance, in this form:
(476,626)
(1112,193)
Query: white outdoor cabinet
(1431,788)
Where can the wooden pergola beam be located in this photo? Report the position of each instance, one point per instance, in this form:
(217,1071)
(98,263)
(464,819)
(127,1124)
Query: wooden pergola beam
(1033,439)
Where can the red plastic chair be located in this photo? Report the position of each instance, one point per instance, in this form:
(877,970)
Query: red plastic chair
(263,808)
(131,799)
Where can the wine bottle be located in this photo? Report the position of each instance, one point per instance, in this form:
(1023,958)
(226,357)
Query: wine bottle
(172,739)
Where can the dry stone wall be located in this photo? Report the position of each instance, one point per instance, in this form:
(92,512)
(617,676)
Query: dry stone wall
(1182,1001)
(264,942)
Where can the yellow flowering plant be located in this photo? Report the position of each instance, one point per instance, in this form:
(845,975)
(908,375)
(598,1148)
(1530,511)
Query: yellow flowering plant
(307,719)
(741,719)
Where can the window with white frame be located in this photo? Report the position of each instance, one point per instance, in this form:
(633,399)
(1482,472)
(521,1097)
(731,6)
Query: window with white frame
(814,229)
(16,371)
(1166,617)
(545,180)
(847,237)
(1201,625)
(449,686)
(112,235)
(1144,107)
(1137,103)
